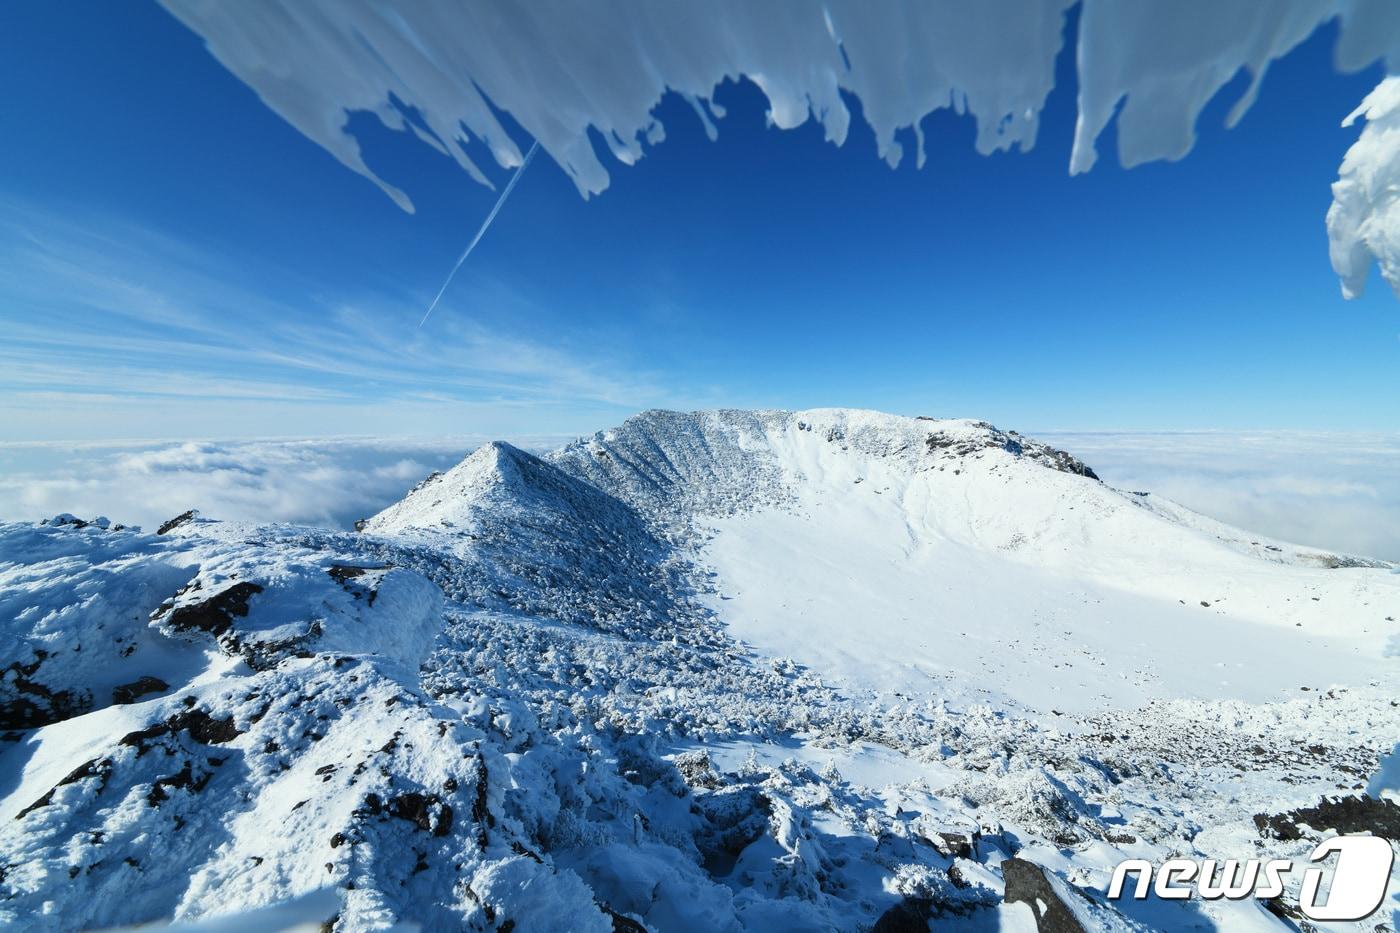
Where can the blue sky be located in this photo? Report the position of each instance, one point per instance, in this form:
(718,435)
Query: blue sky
(175,261)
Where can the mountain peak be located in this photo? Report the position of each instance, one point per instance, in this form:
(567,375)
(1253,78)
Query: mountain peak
(495,470)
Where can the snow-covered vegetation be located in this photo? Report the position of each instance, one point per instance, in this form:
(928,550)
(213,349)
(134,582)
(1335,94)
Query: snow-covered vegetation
(716,671)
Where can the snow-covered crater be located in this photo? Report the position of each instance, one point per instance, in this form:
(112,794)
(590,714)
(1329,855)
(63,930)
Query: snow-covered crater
(728,670)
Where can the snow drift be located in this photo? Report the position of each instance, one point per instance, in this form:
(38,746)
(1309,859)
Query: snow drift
(724,671)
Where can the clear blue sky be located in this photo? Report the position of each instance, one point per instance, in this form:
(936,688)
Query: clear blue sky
(177,261)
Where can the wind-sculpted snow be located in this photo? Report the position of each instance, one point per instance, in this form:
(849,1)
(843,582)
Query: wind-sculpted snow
(563,71)
(1164,62)
(516,700)
(1363,223)
(62,586)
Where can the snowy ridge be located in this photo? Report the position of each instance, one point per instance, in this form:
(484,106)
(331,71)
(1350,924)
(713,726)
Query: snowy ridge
(721,462)
(726,670)
(507,530)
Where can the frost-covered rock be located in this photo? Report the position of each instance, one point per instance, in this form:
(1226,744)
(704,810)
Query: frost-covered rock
(74,601)
(264,611)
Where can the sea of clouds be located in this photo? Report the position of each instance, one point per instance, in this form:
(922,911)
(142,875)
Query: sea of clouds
(323,481)
(1336,491)
(1339,491)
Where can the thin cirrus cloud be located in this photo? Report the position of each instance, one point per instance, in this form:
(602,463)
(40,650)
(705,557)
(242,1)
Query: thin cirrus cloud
(1332,490)
(92,349)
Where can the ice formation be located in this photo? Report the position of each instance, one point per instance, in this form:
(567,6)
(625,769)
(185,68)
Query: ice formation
(561,69)
(1363,223)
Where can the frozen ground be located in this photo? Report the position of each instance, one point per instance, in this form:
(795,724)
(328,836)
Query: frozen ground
(729,670)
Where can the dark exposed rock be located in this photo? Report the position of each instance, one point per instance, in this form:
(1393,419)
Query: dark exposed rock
(620,923)
(345,573)
(100,768)
(1344,814)
(184,779)
(340,573)
(177,521)
(129,693)
(1011,442)
(43,801)
(1347,562)
(481,812)
(1026,884)
(426,811)
(26,703)
(520,849)
(200,726)
(215,614)
(1066,462)
(961,845)
(427,481)
(911,915)
(65,520)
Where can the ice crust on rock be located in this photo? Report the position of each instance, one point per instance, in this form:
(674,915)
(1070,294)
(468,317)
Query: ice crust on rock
(528,694)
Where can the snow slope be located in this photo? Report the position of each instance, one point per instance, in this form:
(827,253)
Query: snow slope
(724,670)
(972,571)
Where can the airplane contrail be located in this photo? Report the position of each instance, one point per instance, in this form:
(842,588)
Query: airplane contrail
(510,186)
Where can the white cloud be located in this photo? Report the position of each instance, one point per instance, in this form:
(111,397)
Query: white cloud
(1329,490)
(321,481)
